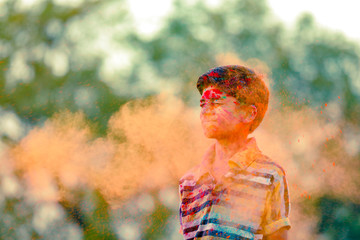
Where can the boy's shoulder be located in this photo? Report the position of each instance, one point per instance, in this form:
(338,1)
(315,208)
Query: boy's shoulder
(266,165)
(189,175)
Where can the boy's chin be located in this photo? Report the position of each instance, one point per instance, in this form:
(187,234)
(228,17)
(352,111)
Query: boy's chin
(212,133)
(216,134)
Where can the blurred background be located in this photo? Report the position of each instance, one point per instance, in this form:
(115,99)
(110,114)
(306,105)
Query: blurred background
(99,110)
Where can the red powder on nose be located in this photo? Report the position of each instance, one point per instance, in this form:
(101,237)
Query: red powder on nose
(212,93)
(206,94)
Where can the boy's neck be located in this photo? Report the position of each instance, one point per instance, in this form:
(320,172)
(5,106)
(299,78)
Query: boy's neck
(226,148)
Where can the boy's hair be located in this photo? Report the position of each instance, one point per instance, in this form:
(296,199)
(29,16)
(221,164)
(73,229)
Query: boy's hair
(240,82)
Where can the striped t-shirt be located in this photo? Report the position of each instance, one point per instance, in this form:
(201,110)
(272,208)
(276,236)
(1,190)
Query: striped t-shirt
(250,201)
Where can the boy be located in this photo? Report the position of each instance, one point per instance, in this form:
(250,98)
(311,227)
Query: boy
(236,192)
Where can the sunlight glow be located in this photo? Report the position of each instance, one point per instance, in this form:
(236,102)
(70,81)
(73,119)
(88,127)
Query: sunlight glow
(337,15)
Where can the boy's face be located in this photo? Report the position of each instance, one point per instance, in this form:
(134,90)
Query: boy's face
(221,114)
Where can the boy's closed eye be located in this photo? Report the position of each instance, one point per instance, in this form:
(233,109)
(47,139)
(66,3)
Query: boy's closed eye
(215,102)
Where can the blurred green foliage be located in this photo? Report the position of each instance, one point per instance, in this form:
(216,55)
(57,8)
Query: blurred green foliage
(52,57)
(339,218)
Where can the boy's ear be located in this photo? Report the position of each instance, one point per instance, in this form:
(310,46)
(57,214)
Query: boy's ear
(251,114)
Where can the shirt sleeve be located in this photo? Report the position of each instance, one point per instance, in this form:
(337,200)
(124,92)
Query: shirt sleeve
(277,207)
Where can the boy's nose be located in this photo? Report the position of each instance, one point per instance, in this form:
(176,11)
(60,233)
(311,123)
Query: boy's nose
(207,107)
(208,112)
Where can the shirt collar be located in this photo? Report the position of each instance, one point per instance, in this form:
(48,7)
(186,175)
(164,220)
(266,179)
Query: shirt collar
(239,161)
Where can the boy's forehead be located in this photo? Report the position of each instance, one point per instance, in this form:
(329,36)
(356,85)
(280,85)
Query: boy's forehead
(213,92)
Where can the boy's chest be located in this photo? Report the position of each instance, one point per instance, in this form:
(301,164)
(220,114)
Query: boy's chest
(217,174)
(217,171)
(231,203)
